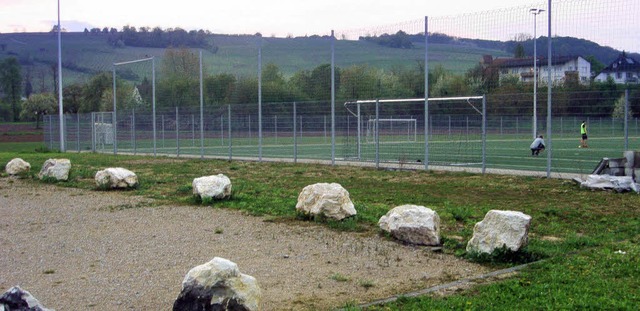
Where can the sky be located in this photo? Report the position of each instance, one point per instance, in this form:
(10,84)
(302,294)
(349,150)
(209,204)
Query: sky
(287,17)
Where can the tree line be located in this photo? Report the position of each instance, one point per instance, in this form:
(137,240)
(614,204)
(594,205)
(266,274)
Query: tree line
(178,86)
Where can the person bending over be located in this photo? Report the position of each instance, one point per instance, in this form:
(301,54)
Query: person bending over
(537,145)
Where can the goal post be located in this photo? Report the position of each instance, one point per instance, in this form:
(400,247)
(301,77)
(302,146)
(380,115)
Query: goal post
(447,131)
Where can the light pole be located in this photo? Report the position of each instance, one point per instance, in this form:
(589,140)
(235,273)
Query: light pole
(60,105)
(535,13)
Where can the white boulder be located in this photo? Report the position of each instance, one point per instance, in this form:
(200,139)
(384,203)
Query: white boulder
(116,177)
(218,285)
(412,224)
(17,299)
(55,168)
(330,200)
(17,166)
(215,186)
(498,229)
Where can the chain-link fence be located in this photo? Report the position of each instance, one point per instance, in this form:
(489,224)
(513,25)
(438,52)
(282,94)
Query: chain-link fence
(358,96)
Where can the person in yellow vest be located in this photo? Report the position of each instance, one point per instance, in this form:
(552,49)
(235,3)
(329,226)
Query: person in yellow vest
(583,134)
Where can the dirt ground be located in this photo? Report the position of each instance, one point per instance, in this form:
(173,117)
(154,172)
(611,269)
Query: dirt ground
(88,250)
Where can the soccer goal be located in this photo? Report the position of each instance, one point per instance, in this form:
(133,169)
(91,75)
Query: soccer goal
(448,131)
(399,130)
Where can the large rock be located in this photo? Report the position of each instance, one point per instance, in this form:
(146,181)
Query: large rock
(498,229)
(412,224)
(55,168)
(218,285)
(116,177)
(17,166)
(329,200)
(215,186)
(18,299)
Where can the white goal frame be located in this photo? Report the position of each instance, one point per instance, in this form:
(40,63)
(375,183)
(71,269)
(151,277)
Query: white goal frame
(411,126)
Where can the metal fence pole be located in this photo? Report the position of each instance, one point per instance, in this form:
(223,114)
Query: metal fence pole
(115,112)
(377,133)
(275,127)
(549,87)
(359,133)
(259,98)
(133,135)
(626,119)
(50,133)
(193,131)
(177,132)
(162,116)
(426,92)
(333,99)
(201,110)
(153,101)
(484,133)
(78,131)
(229,131)
(295,137)
(93,132)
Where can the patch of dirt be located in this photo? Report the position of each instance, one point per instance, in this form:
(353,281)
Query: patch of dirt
(75,249)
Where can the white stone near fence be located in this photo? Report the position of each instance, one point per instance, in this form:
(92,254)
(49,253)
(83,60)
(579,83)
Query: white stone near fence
(17,166)
(412,224)
(330,200)
(212,187)
(19,299)
(218,285)
(498,229)
(55,168)
(116,178)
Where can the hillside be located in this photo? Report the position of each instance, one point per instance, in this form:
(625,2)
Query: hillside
(85,54)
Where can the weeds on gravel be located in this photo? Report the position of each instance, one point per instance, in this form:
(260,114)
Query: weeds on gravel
(589,238)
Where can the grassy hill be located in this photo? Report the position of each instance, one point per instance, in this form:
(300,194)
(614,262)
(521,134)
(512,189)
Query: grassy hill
(84,55)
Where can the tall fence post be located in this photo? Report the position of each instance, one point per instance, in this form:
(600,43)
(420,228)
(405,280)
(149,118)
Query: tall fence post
(295,136)
(484,133)
(177,132)
(359,133)
(259,98)
(93,132)
(377,133)
(426,92)
(333,99)
(201,110)
(78,131)
(133,131)
(153,102)
(626,119)
(229,131)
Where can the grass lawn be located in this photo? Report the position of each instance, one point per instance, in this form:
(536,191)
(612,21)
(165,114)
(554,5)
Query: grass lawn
(588,239)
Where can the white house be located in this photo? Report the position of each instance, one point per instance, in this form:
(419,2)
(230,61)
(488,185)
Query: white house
(623,70)
(563,68)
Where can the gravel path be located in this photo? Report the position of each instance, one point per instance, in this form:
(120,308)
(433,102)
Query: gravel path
(87,250)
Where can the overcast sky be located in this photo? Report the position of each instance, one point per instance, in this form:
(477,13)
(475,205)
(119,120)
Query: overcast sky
(292,17)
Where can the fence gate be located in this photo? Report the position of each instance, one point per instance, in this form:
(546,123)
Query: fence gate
(102,129)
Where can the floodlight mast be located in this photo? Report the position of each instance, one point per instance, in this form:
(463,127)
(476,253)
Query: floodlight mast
(60,105)
(535,13)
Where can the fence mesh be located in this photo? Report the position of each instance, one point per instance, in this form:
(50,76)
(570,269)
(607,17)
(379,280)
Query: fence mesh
(273,98)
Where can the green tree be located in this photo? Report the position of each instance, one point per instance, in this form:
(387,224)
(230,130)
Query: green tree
(72,98)
(180,72)
(38,105)
(11,84)
(519,51)
(92,92)
(219,88)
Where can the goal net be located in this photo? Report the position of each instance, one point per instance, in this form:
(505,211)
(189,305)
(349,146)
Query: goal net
(399,130)
(396,131)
